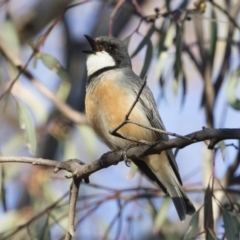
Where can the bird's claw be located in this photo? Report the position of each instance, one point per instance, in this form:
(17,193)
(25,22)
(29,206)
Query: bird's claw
(125,159)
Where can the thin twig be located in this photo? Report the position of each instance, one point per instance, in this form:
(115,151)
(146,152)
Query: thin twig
(231,19)
(35,51)
(65,109)
(158,130)
(118,215)
(46,210)
(114,131)
(132,139)
(72,207)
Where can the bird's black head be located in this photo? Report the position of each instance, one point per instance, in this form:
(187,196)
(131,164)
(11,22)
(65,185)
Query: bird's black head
(107,51)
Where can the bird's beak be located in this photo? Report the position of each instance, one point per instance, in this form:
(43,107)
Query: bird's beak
(94,45)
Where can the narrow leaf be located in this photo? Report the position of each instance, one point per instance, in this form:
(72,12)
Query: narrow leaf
(232,99)
(178,57)
(3,188)
(161,215)
(26,123)
(133,170)
(230,224)
(126,41)
(144,41)
(222,147)
(53,64)
(210,235)
(193,227)
(45,233)
(147,60)
(184,4)
(213,38)
(163,35)
(184,87)
(9,35)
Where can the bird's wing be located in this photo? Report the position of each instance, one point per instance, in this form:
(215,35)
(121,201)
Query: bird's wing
(149,105)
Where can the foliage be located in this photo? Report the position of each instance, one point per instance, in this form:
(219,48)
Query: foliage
(181,40)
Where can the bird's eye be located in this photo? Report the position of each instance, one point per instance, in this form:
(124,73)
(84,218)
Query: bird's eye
(112,48)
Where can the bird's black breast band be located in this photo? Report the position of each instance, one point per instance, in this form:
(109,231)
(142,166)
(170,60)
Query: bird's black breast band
(98,72)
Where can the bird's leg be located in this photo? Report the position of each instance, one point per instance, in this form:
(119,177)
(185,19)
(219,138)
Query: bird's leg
(124,155)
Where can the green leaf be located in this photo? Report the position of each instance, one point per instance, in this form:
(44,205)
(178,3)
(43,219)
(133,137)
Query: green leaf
(210,235)
(63,90)
(184,86)
(161,215)
(230,224)
(144,41)
(178,57)
(26,123)
(3,188)
(232,99)
(213,38)
(184,4)
(151,208)
(192,231)
(45,233)
(222,147)
(9,38)
(147,60)
(9,35)
(53,64)
(162,36)
(126,41)
(133,170)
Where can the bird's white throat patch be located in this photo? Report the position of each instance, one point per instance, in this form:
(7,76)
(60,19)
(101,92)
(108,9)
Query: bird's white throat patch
(98,61)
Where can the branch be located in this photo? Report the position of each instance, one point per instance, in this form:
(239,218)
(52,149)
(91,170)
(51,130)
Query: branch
(78,169)
(114,131)
(72,207)
(66,110)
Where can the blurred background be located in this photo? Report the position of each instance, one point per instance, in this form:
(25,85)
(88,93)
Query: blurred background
(190,53)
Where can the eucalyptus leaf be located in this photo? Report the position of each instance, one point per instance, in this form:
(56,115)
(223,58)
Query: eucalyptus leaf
(162,36)
(192,231)
(26,123)
(178,57)
(126,41)
(9,35)
(45,233)
(145,41)
(184,87)
(230,224)
(232,99)
(133,170)
(53,64)
(222,147)
(147,60)
(213,37)
(161,215)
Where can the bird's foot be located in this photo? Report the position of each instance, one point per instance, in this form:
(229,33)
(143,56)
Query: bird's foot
(124,156)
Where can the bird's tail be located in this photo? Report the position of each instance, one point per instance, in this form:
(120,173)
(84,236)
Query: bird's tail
(181,201)
(167,180)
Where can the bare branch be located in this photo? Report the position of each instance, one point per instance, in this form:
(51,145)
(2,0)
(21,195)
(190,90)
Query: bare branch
(72,207)
(66,110)
(78,169)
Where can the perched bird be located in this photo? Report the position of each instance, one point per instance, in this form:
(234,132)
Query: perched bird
(111,89)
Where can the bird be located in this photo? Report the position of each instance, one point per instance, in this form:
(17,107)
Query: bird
(111,89)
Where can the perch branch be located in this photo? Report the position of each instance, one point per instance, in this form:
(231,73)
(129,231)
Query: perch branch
(78,169)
